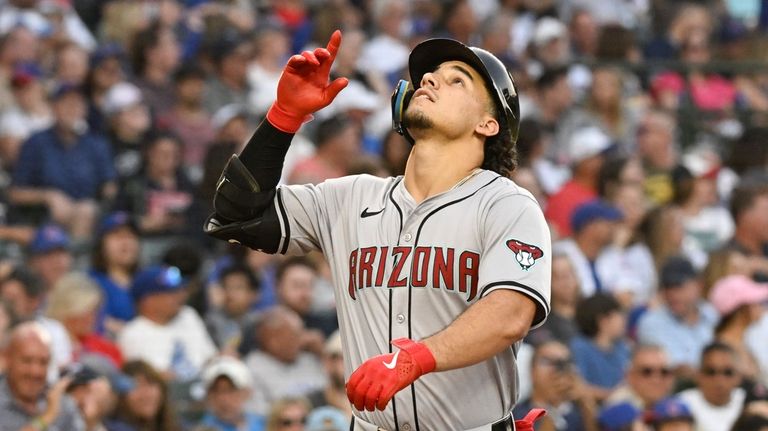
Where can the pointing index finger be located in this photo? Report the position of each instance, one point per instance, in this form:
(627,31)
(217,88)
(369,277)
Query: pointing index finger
(334,43)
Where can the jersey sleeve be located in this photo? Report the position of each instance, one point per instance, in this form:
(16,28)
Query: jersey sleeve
(517,252)
(307,212)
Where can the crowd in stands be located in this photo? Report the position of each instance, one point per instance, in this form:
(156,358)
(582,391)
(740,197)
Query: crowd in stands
(644,137)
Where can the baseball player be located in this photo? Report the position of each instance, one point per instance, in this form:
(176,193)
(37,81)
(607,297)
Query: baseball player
(438,274)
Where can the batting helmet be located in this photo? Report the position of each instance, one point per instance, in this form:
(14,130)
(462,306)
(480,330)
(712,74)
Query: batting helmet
(428,55)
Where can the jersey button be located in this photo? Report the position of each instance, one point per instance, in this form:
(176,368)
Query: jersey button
(407,237)
(406,427)
(400,318)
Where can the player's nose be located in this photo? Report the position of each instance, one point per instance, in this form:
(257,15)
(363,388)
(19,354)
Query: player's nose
(429,79)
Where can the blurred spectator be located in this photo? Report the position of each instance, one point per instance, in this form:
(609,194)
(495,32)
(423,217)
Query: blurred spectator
(334,392)
(707,225)
(686,18)
(28,402)
(717,399)
(288,414)
(106,69)
(228,385)
(749,209)
(95,394)
(327,419)
(75,302)
(166,334)
(584,34)
(160,195)
(496,38)
(230,125)
(46,18)
(741,303)
(155,56)
(71,65)
(558,387)
(227,324)
(229,83)
(684,322)
(279,366)
(127,123)
(662,232)
(394,152)
(671,414)
(338,143)
(50,254)
(271,46)
(617,43)
(114,262)
(296,279)
(553,98)
(648,379)
(600,351)
(550,44)
(560,324)
(386,52)
(657,150)
(32,112)
(724,262)
(594,225)
(65,168)
(188,120)
(748,153)
(148,405)
(586,153)
(620,417)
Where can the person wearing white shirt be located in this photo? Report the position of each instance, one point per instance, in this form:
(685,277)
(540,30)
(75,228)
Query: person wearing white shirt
(167,334)
(717,399)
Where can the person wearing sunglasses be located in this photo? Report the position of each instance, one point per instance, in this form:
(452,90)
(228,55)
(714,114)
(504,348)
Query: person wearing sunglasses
(288,414)
(648,379)
(717,399)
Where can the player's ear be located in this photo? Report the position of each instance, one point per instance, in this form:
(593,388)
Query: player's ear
(488,126)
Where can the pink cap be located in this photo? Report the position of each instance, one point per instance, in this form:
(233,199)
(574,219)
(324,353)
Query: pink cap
(733,291)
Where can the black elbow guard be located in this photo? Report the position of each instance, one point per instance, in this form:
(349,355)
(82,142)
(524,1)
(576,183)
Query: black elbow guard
(262,233)
(238,195)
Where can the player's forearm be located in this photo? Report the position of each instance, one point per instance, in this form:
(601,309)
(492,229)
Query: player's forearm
(485,329)
(264,154)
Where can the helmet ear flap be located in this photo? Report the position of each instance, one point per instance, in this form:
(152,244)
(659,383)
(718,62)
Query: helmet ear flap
(401,97)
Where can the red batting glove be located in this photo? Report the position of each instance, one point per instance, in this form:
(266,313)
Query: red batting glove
(303,87)
(526,423)
(378,379)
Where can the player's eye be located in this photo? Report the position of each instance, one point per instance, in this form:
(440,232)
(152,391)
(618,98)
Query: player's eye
(457,80)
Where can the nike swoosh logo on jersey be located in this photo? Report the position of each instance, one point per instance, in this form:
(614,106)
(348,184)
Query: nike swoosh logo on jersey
(392,363)
(366,213)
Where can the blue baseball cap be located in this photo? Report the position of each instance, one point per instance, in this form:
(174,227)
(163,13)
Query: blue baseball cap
(327,419)
(617,416)
(668,410)
(591,211)
(115,221)
(156,279)
(49,237)
(105,52)
(63,88)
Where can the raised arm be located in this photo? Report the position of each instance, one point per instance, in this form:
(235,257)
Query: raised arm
(243,209)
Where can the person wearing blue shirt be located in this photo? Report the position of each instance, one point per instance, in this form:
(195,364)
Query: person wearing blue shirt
(65,168)
(600,353)
(228,384)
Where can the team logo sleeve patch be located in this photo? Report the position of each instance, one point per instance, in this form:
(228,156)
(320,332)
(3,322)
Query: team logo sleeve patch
(525,254)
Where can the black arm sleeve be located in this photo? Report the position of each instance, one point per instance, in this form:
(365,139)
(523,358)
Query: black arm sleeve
(265,153)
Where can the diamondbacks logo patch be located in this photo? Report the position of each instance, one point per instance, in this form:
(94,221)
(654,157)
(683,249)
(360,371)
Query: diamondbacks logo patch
(525,254)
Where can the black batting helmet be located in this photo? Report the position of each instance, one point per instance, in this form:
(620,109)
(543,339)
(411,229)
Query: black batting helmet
(428,55)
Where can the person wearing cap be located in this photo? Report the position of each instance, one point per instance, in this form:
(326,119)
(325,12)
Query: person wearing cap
(327,419)
(717,400)
(127,123)
(550,42)
(27,402)
(229,83)
(593,224)
(228,384)
(227,323)
(620,417)
(94,394)
(114,264)
(333,394)
(671,414)
(741,303)
(684,322)
(155,54)
(167,334)
(49,254)
(587,149)
(32,111)
(65,168)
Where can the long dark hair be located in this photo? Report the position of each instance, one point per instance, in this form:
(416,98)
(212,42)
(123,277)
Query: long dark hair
(500,153)
(166,419)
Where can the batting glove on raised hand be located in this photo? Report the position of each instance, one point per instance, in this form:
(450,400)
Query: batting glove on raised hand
(303,87)
(378,379)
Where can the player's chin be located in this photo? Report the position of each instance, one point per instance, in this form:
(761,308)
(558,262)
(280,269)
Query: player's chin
(417,119)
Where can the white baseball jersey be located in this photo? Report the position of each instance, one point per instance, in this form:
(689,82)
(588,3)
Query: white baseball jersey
(402,269)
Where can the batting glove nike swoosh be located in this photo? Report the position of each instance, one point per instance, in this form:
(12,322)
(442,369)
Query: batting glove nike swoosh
(378,379)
